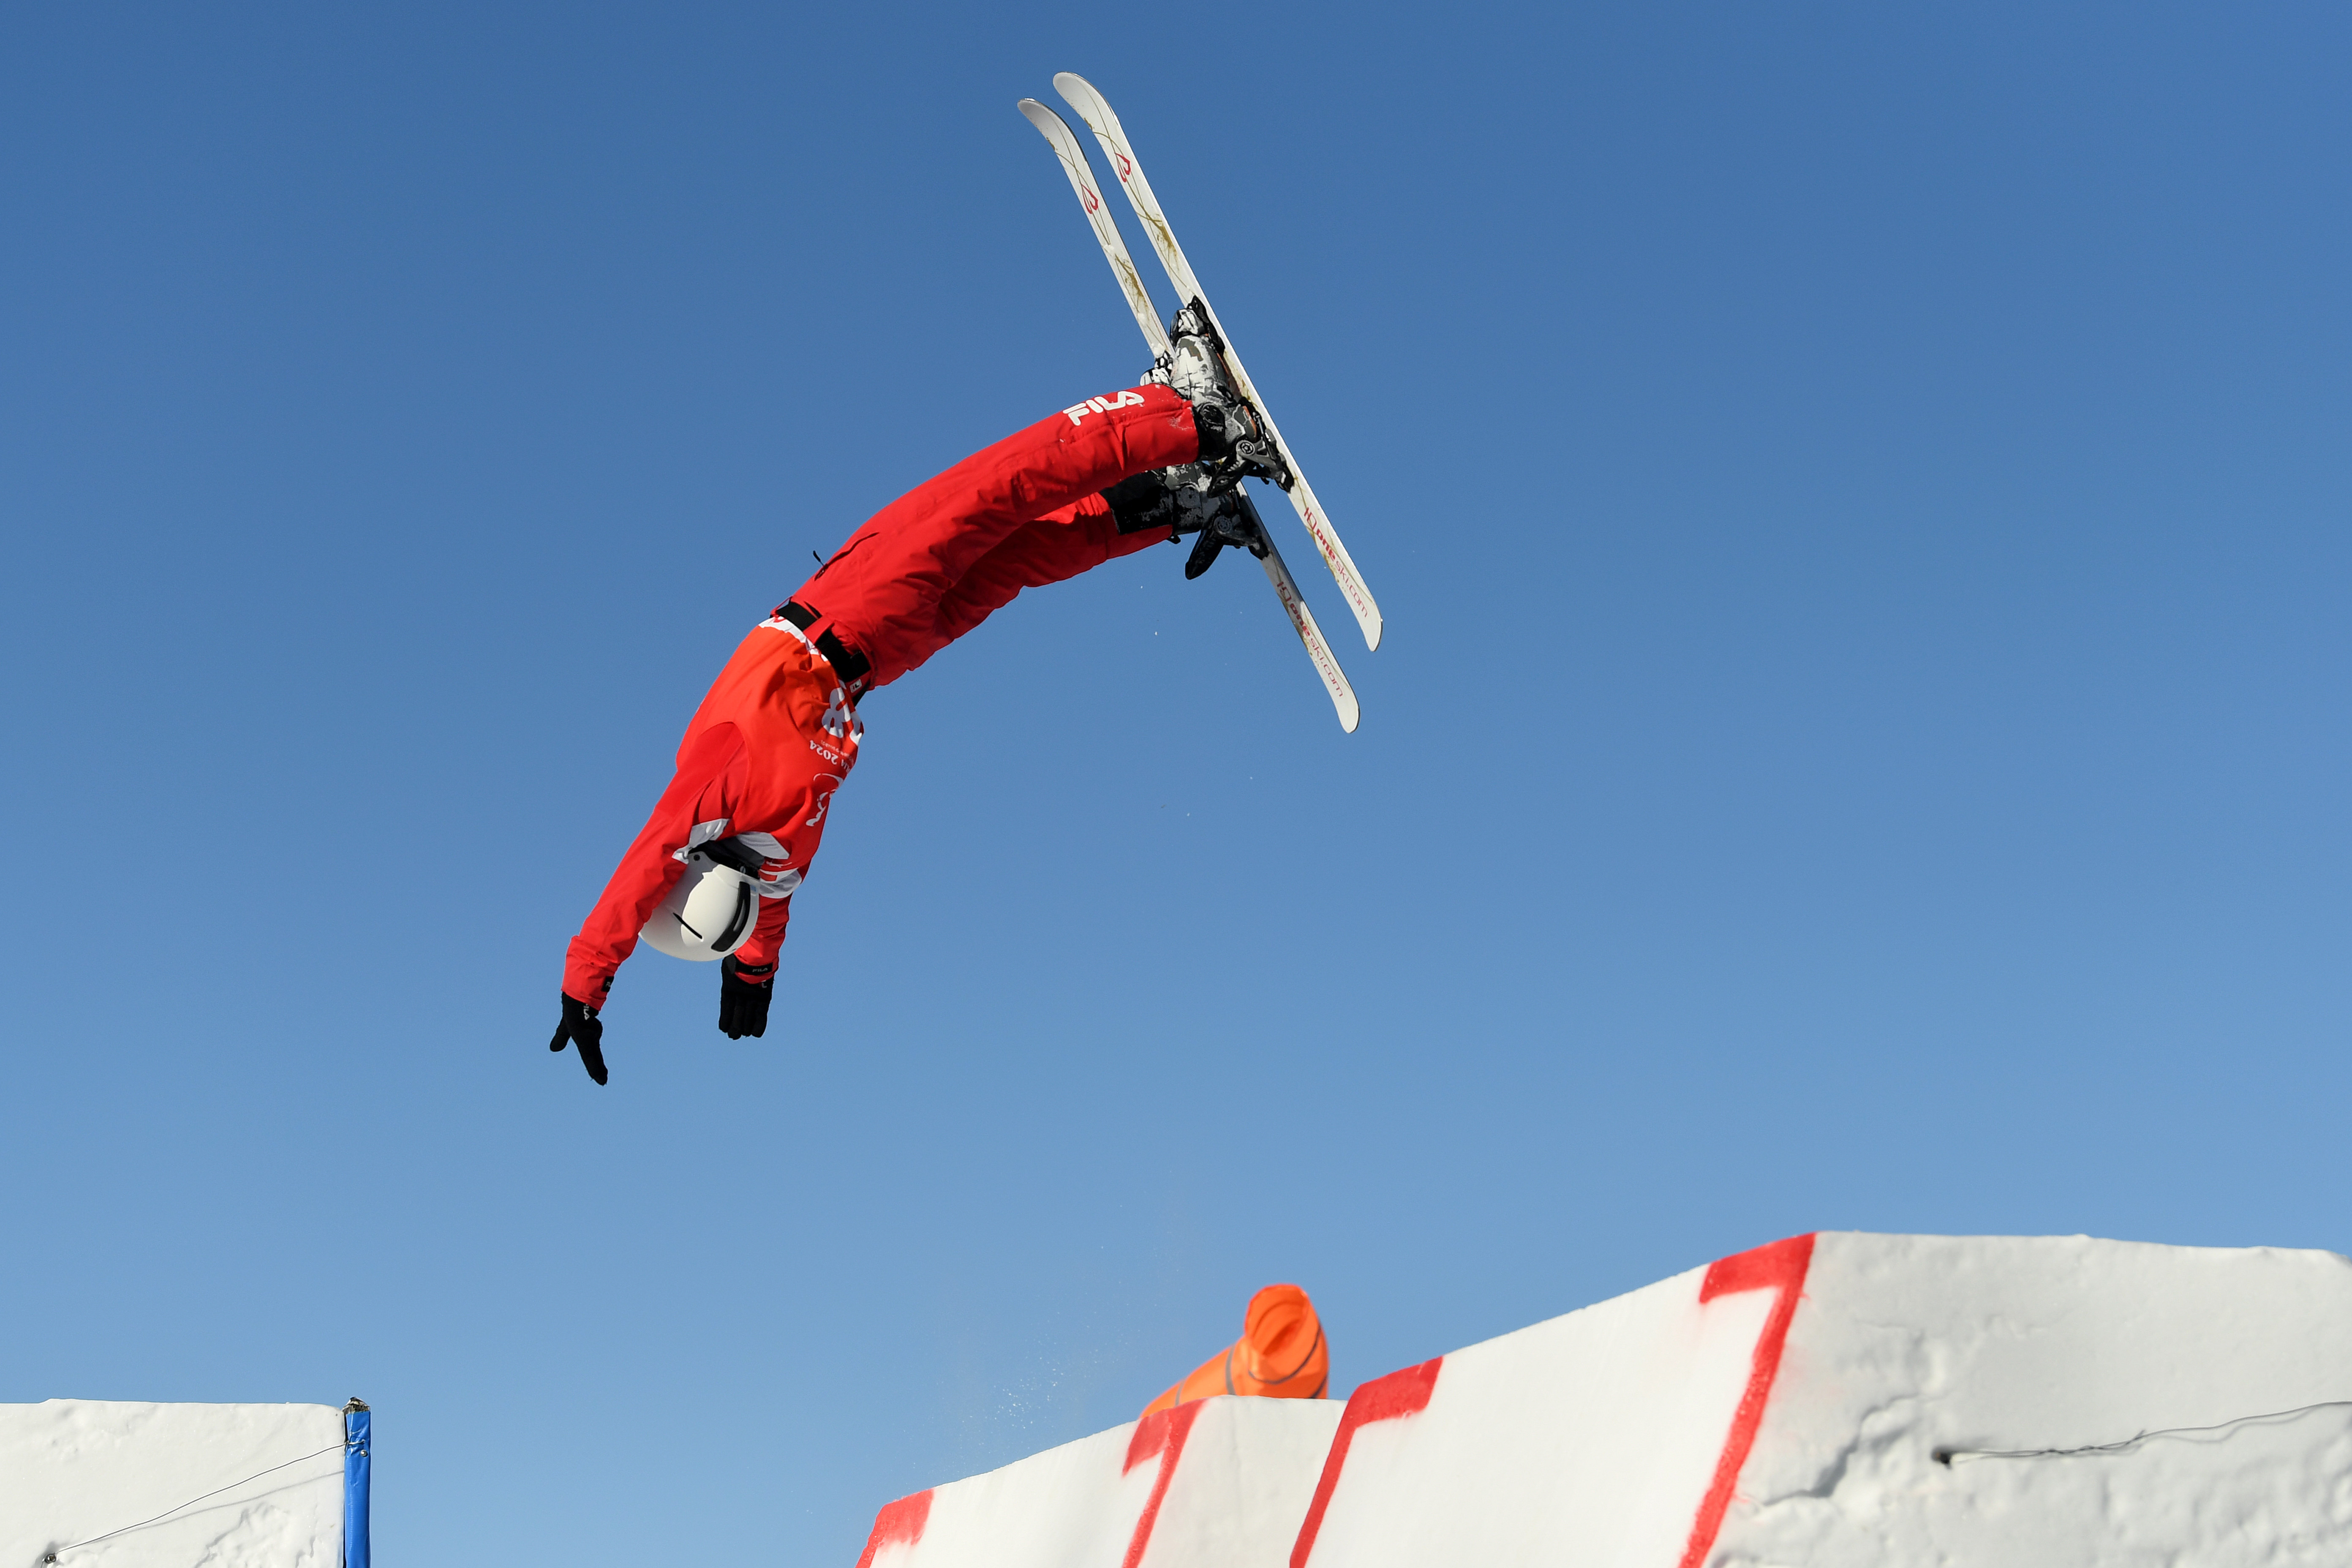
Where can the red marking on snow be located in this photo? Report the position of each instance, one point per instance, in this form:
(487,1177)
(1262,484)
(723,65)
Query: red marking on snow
(1399,1393)
(898,1522)
(1161,1435)
(1779,1266)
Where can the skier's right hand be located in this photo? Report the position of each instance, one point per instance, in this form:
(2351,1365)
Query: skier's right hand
(582,1028)
(744,992)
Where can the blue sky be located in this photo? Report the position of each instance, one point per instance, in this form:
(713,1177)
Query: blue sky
(1860,500)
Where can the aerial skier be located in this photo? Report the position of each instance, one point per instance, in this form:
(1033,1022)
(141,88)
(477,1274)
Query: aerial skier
(712,874)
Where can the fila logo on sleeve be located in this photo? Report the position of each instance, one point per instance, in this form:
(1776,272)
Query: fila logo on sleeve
(1078,412)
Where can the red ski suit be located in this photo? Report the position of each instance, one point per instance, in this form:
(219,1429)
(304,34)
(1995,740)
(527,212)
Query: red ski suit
(779,731)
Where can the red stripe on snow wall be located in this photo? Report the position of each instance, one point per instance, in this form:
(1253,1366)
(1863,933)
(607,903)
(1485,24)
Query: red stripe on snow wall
(1778,1266)
(1399,1393)
(898,1521)
(1162,1433)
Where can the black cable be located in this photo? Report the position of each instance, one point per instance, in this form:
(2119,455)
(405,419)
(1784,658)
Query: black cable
(52,1555)
(1946,1455)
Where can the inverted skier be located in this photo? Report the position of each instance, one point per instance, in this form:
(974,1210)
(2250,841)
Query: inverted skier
(712,874)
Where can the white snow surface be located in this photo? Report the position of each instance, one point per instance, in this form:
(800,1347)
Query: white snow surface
(1706,1421)
(1589,1438)
(74,1468)
(1903,1346)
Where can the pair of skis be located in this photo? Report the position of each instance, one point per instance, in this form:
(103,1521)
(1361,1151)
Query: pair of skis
(1092,108)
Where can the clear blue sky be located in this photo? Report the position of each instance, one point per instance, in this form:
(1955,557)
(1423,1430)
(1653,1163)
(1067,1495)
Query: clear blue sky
(1861,501)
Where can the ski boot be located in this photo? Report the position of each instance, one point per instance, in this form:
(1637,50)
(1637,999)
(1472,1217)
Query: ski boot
(1187,500)
(1235,441)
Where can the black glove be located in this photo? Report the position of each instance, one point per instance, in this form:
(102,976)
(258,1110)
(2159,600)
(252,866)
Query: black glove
(581,1028)
(744,992)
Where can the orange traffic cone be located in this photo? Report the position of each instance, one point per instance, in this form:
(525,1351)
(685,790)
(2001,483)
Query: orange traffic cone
(1280,1355)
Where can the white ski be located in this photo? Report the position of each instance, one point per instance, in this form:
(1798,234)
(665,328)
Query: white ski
(1058,133)
(1097,112)
(1074,164)
(1302,621)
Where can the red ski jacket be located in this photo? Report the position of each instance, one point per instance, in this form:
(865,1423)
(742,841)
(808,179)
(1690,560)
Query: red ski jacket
(779,731)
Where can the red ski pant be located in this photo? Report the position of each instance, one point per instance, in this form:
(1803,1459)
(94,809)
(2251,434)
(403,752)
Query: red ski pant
(941,559)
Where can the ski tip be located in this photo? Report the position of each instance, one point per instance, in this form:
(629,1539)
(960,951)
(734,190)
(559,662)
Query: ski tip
(1372,629)
(1051,127)
(1347,717)
(1080,94)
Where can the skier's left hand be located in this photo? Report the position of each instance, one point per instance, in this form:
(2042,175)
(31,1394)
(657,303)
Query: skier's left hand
(744,992)
(582,1028)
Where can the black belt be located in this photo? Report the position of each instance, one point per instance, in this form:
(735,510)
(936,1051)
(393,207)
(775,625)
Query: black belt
(852,666)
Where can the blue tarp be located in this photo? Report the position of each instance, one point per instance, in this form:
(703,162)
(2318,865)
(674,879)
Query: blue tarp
(355,1485)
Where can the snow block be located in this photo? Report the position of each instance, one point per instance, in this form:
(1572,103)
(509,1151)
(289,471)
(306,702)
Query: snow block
(1218,1483)
(72,1470)
(1905,1347)
(1835,1401)
(1612,1435)
(1831,1401)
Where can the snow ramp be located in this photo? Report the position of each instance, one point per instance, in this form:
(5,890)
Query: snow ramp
(88,1483)
(1828,1400)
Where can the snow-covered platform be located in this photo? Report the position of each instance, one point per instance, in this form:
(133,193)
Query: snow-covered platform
(1827,1400)
(247,1486)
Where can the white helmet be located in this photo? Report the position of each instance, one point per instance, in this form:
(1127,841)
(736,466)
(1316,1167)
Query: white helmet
(710,913)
